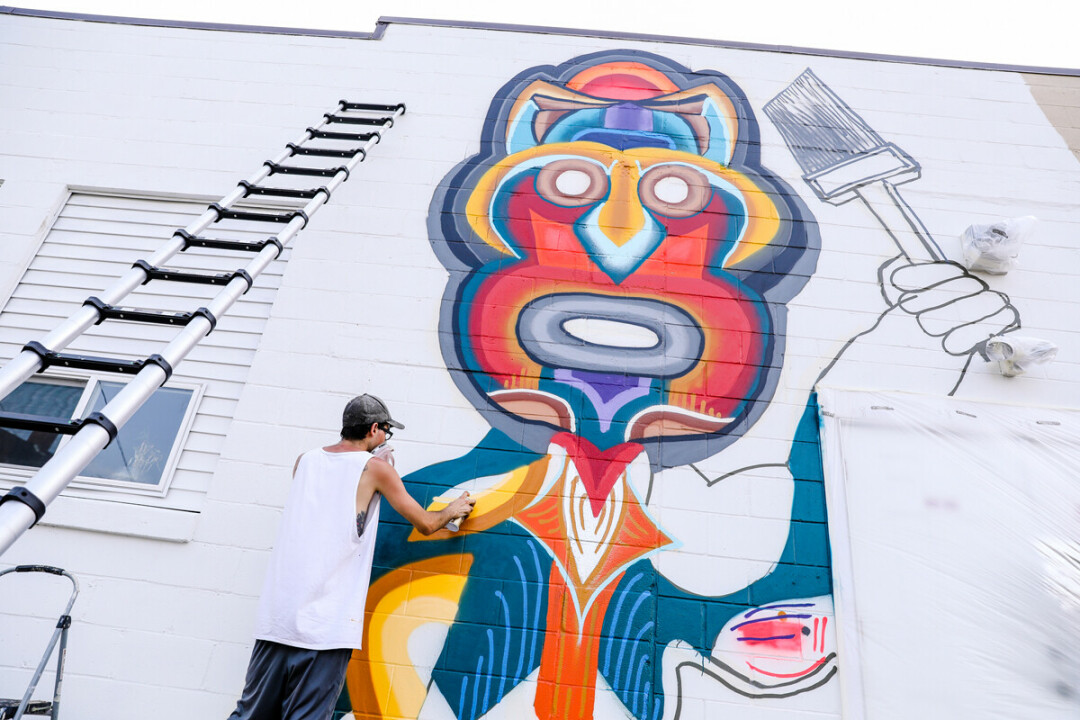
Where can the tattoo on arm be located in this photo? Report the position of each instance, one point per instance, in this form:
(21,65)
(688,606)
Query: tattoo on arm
(360,518)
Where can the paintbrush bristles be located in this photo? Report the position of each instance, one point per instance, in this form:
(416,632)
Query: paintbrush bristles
(820,129)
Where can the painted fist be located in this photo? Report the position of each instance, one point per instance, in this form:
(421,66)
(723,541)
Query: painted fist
(949,303)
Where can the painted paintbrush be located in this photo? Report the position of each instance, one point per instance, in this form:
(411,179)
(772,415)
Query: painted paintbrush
(842,158)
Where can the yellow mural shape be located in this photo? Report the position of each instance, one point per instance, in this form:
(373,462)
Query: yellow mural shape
(382,679)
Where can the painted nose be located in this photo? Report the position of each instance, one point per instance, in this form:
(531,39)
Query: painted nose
(619,234)
(622,217)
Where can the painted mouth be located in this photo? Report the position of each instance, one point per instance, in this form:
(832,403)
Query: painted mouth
(601,334)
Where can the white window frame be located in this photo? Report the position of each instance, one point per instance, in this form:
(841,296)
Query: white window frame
(18,474)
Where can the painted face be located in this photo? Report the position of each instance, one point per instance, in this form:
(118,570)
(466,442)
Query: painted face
(612,294)
(790,643)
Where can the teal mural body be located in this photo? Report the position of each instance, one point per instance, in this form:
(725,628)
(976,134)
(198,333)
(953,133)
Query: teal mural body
(617,188)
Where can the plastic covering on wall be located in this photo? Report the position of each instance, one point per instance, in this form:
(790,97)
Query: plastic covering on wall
(955,530)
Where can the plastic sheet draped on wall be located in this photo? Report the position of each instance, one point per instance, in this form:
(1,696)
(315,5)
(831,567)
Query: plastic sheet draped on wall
(955,530)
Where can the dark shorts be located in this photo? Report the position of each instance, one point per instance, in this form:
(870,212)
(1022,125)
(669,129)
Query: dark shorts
(287,683)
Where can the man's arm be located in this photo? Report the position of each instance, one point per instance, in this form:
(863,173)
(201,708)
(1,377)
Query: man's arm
(387,482)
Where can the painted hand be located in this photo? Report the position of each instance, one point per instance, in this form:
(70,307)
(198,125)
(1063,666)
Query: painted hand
(949,303)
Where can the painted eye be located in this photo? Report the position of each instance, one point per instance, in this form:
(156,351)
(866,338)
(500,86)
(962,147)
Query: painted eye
(671,190)
(675,190)
(572,183)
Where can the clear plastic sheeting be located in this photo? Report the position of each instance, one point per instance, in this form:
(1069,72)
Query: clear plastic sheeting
(1016,354)
(993,248)
(954,528)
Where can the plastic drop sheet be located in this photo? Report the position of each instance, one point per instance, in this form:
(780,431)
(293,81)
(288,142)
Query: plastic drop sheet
(955,532)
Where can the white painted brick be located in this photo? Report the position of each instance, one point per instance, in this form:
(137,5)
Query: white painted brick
(227,668)
(238,525)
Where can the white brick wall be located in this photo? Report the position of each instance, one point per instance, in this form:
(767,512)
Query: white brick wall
(165,628)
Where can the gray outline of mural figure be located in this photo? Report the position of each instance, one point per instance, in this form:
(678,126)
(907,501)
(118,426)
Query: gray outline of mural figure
(842,159)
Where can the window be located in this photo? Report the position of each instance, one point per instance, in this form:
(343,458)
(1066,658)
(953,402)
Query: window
(153,480)
(140,457)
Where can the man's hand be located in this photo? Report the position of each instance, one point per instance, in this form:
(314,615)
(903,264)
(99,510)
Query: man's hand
(381,477)
(949,303)
(460,507)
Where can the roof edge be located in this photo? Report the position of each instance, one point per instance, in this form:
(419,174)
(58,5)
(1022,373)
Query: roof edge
(383,22)
(380,26)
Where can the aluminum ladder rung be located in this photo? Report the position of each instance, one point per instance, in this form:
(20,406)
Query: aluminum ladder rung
(8,708)
(148,315)
(383,122)
(58,425)
(50,358)
(276,168)
(326,152)
(185,276)
(219,244)
(307,194)
(39,423)
(346,105)
(331,135)
(225,213)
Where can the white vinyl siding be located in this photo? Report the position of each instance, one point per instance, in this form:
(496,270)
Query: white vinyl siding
(94,240)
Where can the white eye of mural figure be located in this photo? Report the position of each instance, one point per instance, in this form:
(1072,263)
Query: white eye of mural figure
(672,190)
(573,183)
(675,190)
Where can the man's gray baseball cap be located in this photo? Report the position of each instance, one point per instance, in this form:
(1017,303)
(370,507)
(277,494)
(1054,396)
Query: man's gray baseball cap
(366,409)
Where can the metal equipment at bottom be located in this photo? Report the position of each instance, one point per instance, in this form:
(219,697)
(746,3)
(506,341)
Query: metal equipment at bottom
(14,709)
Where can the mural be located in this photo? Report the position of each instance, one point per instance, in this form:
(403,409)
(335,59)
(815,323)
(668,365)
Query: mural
(620,268)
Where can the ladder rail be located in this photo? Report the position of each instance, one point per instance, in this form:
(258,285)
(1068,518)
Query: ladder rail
(26,363)
(84,445)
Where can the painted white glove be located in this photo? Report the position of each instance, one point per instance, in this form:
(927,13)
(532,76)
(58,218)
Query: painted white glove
(949,303)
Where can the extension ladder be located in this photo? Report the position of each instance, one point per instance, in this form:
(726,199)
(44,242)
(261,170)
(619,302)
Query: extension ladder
(23,506)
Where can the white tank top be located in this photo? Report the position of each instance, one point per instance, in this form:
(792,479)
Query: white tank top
(317,581)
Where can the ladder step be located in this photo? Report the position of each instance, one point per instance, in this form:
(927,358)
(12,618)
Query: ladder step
(19,421)
(384,122)
(194,241)
(158,317)
(224,213)
(250,189)
(311,172)
(59,425)
(8,708)
(346,105)
(160,273)
(94,362)
(331,135)
(323,152)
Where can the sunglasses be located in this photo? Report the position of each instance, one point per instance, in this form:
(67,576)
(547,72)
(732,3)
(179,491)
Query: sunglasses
(385,427)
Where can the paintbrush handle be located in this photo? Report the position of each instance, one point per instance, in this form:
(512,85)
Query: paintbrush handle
(900,221)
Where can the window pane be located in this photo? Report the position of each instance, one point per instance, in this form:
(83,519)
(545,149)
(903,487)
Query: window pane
(33,448)
(141,449)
